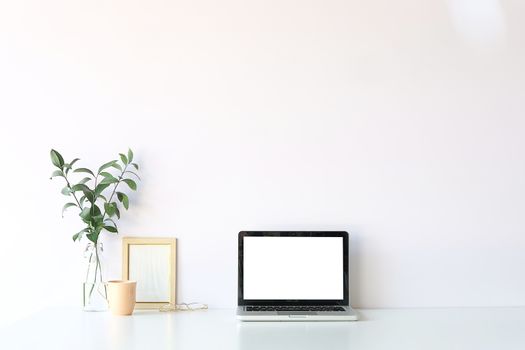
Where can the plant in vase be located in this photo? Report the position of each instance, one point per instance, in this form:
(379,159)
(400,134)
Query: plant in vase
(96,197)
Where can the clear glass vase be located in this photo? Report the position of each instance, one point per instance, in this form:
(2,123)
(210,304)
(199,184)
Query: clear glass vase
(94,288)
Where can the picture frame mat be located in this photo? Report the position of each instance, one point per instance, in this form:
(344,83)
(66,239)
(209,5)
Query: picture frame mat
(172,242)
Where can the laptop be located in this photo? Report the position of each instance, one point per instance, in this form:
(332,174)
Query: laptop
(293,276)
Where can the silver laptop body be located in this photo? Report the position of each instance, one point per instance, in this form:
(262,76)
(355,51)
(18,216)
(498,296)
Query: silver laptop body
(293,276)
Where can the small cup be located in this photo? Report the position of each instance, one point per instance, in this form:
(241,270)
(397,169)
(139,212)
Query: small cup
(121,297)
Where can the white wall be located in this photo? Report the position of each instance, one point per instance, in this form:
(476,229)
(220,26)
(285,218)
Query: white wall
(400,121)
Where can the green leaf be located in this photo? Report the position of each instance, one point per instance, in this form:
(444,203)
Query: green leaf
(67,205)
(80,187)
(57,173)
(88,193)
(102,197)
(116,166)
(130,155)
(84,170)
(85,214)
(123,198)
(100,188)
(111,229)
(123,158)
(106,165)
(90,196)
(110,209)
(93,237)
(78,235)
(67,167)
(108,220)
(135,165)
(97,222)
(117,212)
(66,191)
(74,161)
(132,184)
(131,172)
(108,178)
(108,181)
(56,159)
(95,211)
(84,180)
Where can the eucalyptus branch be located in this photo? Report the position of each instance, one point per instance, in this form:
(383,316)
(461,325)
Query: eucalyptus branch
(95,218)
(73,193)
(115,189)
(113,193)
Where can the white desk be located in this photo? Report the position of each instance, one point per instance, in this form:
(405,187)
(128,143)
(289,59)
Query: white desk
(444,329)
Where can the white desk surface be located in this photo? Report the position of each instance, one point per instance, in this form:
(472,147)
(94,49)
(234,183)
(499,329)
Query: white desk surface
(461,329)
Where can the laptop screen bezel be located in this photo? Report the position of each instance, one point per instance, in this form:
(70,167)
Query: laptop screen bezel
(240,285)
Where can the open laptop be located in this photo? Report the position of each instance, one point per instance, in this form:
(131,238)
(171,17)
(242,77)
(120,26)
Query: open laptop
(293,276)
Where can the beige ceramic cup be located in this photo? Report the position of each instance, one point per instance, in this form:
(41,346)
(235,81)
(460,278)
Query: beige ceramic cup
(121,297)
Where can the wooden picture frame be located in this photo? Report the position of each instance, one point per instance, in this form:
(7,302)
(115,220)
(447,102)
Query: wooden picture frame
(152,263)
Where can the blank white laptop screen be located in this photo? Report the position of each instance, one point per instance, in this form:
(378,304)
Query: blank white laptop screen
(303,268)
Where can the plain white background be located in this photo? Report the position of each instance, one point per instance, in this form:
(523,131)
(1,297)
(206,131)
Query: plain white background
(399,121)
(293,268)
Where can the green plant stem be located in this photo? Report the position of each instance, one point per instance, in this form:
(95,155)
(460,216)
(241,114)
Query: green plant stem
(115,189)
(98,264)
(89,267)
(73,193)
(98,268)
(94,200)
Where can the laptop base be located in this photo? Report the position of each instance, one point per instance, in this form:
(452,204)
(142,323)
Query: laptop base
(279,316)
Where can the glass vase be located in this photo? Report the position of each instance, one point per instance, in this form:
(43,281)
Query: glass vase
(94,287)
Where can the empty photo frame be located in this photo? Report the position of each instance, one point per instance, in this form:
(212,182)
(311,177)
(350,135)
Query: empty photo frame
(152,263)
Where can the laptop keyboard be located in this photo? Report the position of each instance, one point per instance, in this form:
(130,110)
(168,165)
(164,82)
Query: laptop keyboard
(294,308)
